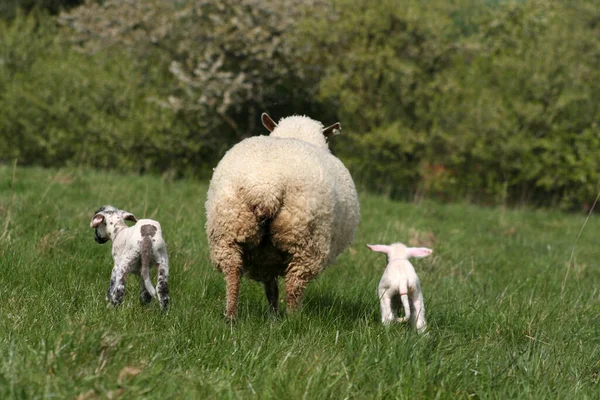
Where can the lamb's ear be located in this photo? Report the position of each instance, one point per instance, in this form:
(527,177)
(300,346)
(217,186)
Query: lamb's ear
(129,216)
(332,130)
(418,252)
(268,122)
(96,220)
(380,248)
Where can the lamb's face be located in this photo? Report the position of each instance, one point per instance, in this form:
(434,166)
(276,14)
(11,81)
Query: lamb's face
(301,128)
(107,220)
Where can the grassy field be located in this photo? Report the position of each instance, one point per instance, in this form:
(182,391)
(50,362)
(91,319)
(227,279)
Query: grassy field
(503,321)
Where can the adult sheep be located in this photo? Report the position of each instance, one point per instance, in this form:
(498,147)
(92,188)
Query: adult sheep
(280,205)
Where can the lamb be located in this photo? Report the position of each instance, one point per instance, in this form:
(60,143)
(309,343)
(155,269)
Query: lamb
(400,283)
(134,249)
(280,205)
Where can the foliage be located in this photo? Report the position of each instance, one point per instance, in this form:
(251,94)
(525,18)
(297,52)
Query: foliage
(500,324)
(502,104)
(10,8)
(493,102)
(231,59)
(62,107)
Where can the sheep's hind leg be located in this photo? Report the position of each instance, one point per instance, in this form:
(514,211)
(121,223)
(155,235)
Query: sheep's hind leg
(272,293)
(295,285)
(301,270)
(297,277)
(232,283)
(230,262)
(298,234)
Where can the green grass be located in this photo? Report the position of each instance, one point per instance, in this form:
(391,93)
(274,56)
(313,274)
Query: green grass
(501,325)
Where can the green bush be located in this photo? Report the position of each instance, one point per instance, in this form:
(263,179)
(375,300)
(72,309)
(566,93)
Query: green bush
(10,8)
(493,102)
(63,107)
(496,105)
(230,60)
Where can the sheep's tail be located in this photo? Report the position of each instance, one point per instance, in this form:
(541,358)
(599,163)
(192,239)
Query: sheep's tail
(263,199)
(146,257)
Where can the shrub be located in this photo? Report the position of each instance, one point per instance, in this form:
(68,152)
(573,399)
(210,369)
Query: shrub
(62,107)
(495,102)
(230,59)
(495,105)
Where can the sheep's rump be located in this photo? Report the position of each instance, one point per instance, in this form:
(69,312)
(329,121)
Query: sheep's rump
(273,196)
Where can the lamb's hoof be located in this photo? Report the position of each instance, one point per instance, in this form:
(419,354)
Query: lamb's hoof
(145,298)
(112,305)
(164,304)
(402,320)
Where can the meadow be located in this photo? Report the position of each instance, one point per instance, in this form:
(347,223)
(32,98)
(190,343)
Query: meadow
(513,311)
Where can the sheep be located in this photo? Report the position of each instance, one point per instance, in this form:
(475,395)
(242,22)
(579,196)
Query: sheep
(134,249)
(280,205)
(400,283)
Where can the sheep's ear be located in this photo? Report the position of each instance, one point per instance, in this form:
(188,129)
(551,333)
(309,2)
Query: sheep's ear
(418,252)
(268,122)
(129,217)
(332,130)
(96,220)
(380,248)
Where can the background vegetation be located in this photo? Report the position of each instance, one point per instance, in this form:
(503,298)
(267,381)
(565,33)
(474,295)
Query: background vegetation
(493,102)
(510,315)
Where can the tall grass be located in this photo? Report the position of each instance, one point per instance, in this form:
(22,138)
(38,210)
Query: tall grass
(499,325)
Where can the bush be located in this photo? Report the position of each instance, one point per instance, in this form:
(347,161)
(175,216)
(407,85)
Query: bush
(10,8)
(495,102)
(230,59)
(62,107)
(495,105)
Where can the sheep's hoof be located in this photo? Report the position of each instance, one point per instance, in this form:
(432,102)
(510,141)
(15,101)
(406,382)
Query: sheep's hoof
(402,320)
(230,318)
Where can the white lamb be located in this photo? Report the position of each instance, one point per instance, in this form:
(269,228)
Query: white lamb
(400,284)
(280,205)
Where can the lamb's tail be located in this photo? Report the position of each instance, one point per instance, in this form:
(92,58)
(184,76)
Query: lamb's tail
(146,258)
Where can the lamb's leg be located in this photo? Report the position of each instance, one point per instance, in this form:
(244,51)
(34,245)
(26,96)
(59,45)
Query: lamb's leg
(145,296)
(111,286)
(272,293)
(418,316)
(118,289)
(385,302)
(162,281)
(406,306)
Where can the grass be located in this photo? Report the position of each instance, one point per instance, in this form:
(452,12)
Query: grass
(499,325)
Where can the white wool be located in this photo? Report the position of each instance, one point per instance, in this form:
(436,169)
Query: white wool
(301,128)
(291,180)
